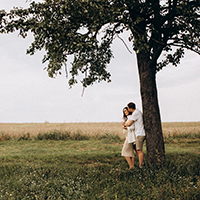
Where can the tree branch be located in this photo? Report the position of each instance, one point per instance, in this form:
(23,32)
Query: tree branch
(124,44)
(186,47)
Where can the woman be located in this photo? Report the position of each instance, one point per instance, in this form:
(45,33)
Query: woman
(128,147)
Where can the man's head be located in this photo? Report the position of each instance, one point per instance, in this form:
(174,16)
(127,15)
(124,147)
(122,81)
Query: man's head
(131,107)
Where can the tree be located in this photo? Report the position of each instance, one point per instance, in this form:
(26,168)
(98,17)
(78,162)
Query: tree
(86,29)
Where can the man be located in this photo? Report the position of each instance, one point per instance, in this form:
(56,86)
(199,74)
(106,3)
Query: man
(137,119)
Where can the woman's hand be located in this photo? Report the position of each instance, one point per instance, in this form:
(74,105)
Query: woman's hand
(124,127)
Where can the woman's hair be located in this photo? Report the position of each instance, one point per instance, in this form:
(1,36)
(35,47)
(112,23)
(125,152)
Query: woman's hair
(125,116)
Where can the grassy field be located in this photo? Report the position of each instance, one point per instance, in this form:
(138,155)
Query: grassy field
(73,162)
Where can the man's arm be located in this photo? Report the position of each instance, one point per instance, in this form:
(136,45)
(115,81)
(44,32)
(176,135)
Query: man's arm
(129,123)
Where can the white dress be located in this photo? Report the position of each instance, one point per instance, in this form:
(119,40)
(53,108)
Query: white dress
(127,149)
(131,132)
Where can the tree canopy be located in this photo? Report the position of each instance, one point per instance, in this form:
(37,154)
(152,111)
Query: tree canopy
(87,28)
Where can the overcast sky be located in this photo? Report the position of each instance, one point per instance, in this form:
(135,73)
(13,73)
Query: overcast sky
(27,94)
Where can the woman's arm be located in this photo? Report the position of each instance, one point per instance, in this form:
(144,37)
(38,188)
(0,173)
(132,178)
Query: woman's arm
(123,123)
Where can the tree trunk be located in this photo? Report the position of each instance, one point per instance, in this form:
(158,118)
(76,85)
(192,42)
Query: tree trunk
(151,113)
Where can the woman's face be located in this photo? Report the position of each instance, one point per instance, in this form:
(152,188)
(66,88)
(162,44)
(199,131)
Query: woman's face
(126,112)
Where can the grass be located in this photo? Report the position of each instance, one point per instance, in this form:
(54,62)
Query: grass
(66,165)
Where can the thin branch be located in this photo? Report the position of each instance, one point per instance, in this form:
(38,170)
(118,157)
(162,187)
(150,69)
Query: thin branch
(124,43)
(186,47)
(83,92)
(66,71)
(84,86)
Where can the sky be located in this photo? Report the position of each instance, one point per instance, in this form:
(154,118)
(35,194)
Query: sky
(28,95)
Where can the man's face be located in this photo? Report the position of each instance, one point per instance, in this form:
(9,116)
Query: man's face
(130,109)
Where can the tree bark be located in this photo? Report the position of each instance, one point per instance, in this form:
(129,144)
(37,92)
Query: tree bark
(151,113)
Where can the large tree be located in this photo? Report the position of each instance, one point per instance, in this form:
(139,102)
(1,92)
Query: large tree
(86,29)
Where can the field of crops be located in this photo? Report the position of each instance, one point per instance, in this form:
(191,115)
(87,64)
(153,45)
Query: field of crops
(90,128)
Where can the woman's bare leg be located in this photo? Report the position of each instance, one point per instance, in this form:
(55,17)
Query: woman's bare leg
(130,161)
(133,162)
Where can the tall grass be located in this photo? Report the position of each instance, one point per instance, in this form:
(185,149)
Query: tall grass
(67,163)
(54,167)
(79,135)
(18,130)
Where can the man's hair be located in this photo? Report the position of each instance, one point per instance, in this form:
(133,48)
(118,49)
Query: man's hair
(131,105)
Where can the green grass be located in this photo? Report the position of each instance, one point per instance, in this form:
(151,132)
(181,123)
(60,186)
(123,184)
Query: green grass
(64,166)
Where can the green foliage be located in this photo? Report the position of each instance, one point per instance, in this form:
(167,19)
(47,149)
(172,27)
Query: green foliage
(65,135)
(24,137)
(57,135)
(108,137)
(4,136)
(86,30)
(183,138)
(92,169)
(188,136)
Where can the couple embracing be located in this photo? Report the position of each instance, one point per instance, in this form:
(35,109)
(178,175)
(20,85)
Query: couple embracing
(133,130)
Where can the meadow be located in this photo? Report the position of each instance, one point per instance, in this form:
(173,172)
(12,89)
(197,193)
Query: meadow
(83,161)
